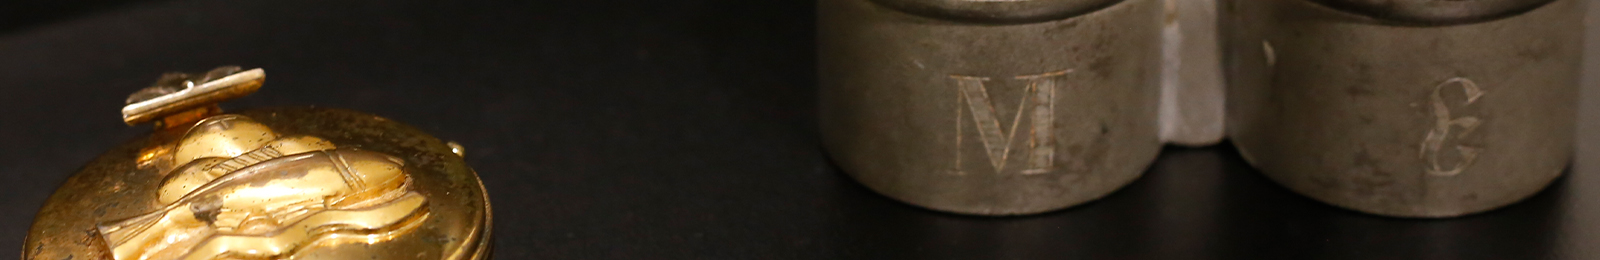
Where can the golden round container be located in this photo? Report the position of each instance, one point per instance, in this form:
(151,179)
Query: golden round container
(272,183)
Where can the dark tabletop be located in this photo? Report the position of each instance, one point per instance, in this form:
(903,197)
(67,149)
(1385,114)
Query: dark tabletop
(671,129)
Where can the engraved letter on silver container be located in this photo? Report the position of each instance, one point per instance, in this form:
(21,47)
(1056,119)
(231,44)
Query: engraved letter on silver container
(1039,95)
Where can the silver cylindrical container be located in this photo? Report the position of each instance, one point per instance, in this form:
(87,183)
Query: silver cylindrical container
(990,107)
(1410,108)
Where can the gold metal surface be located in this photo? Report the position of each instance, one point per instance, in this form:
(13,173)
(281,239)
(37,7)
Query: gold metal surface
(457,149)
(276,183)
(179,92)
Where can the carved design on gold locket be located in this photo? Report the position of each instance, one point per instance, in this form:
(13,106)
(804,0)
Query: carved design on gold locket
(237,189)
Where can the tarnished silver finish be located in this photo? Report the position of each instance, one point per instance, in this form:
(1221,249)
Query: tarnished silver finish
(990,117)
(1192,87)
(1391,117)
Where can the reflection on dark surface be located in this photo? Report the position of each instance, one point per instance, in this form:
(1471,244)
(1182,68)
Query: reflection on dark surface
(1255,209)
(1204,203)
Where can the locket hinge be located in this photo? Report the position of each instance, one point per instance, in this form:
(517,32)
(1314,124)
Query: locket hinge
(178,99)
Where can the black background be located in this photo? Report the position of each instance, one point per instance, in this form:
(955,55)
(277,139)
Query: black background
(664,129)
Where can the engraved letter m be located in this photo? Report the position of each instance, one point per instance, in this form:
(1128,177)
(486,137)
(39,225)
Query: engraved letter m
(1039,95)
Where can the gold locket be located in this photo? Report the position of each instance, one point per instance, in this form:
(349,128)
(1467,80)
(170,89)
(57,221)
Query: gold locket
(271,183)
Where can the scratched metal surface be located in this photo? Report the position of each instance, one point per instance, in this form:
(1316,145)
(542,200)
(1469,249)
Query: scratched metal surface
(676,129)
(1341,109)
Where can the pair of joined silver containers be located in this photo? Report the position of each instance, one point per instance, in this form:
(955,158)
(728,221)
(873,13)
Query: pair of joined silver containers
(1411,108)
